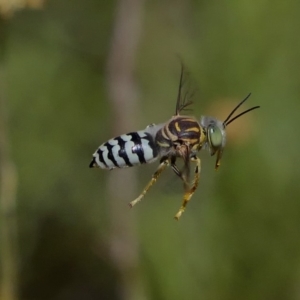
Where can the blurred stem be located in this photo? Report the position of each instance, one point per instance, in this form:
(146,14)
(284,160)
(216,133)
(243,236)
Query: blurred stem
(8,187)
(124,246)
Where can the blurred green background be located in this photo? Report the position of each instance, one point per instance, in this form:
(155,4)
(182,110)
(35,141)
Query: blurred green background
(75,237)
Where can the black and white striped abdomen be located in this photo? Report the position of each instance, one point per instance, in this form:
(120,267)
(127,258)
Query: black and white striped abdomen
(126,150)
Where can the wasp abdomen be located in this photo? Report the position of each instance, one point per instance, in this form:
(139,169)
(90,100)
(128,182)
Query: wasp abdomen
(126,150)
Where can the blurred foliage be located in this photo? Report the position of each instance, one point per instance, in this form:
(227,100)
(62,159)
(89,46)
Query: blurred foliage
(238,238)
(8,7)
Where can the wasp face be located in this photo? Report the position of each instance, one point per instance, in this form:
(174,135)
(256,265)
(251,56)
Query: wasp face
(216,137)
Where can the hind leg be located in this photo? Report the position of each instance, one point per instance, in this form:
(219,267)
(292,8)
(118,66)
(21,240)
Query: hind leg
(164,163)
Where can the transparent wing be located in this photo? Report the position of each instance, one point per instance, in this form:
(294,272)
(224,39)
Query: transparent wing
(186,90)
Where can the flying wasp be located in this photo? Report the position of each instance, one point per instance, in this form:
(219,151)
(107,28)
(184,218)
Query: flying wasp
(181,137)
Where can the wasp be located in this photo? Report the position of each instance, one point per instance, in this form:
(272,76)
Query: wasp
(181,137)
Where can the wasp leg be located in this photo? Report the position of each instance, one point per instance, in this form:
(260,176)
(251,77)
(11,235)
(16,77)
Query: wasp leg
(180,175)
(164,163)
(188,194)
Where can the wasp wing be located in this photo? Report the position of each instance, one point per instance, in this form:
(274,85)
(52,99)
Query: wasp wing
(186,91)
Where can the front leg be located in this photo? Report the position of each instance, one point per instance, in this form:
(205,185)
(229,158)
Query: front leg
(179,173)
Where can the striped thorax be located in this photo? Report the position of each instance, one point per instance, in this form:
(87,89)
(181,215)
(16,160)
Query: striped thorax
(180,130)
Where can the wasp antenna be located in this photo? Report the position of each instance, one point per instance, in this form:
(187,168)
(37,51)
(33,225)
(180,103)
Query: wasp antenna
(234,110)
(239,115)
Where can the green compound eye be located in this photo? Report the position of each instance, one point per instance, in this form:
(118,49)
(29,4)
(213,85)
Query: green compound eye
(215,136)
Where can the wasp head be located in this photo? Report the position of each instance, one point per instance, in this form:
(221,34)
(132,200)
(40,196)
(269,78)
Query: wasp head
(216,131)
(216,136)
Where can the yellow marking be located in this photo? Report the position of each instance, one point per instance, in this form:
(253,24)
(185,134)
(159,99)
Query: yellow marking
(197,147)
(189,120)
(165,132)
(203,137)
(191,141)
(195,129)
(177,126)
(163,144)
(168,134)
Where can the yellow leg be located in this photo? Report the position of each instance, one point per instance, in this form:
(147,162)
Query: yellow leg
(188,194)
(159,170)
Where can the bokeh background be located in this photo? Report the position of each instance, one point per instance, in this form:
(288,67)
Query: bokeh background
(74,74)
